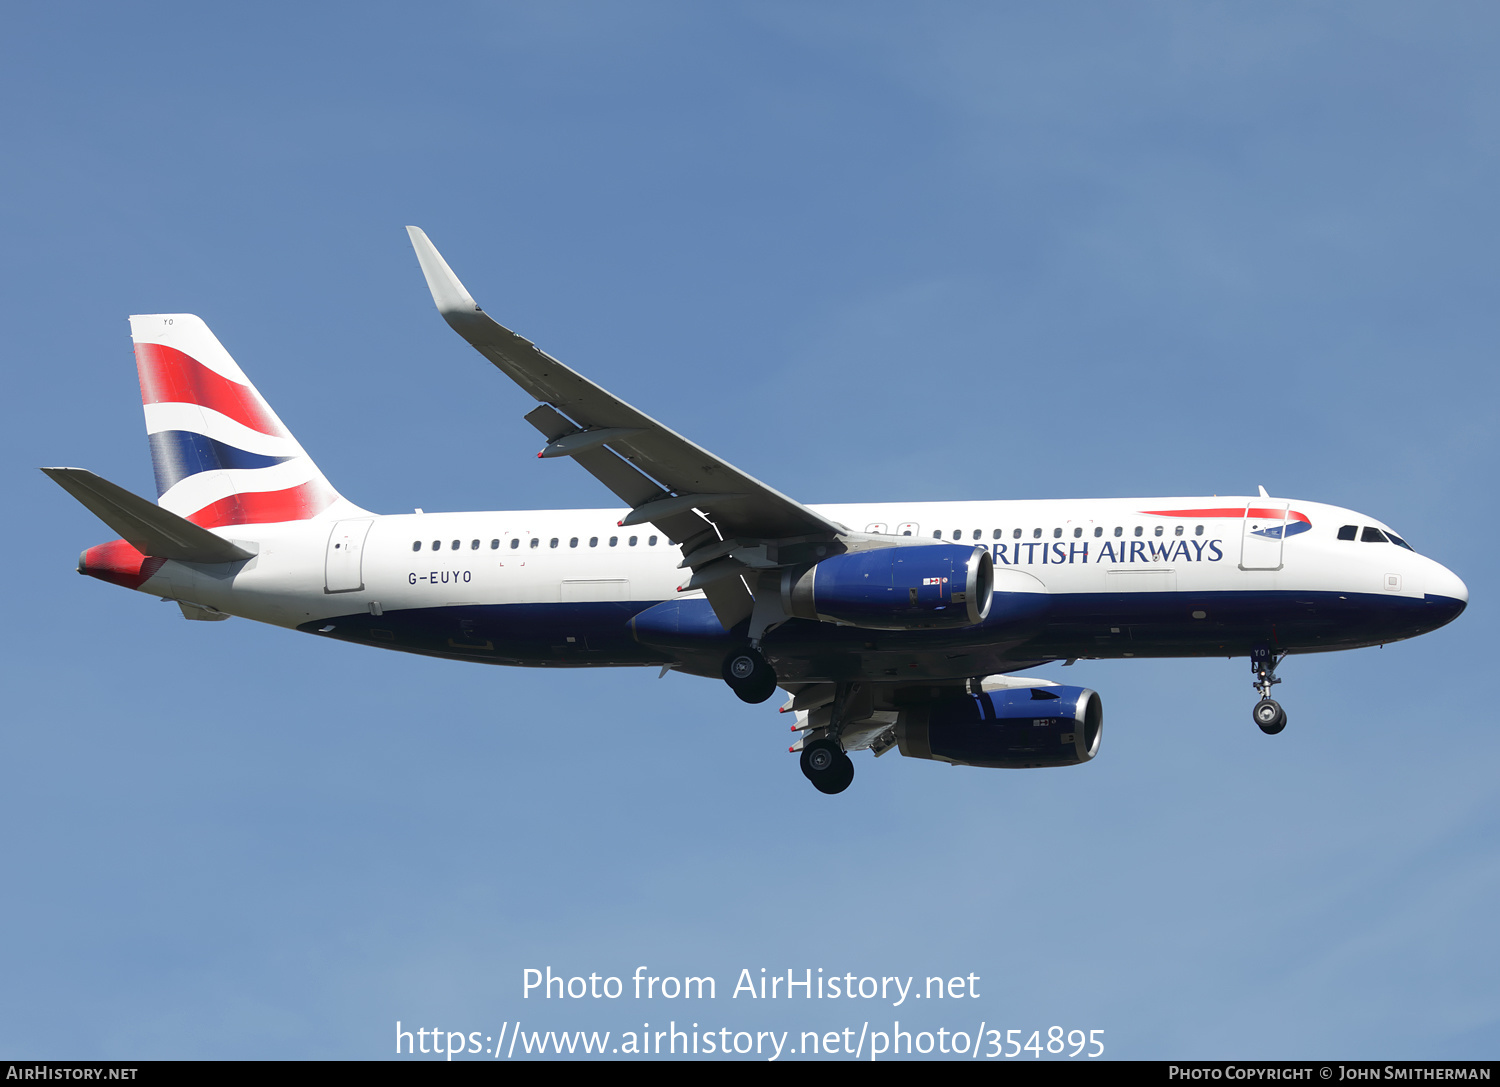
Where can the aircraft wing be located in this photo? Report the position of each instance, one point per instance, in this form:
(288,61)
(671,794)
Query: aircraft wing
(663,476)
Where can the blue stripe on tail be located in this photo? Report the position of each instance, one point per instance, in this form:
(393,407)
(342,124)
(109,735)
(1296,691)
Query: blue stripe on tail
(177,454)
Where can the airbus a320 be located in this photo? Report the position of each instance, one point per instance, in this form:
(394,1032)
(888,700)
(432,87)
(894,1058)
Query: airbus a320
(889,625)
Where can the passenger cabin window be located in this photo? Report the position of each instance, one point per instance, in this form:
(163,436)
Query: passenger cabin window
(536,541)
(1198,531)
(1177,531)
(1158,530)
(651,541)
(613,540)
(474,545)
(938,535)
(632,540)
(417,546)
(454,545)
(1077,532)
(1036,534)
(999,532)
(593,541)
(573,542)
(1348,532)
(1139,530)
(515,543)
(1098,530)
(1016,534)
(494,545)
(1372,535)
(553,543)
(977,534)
(1057,533)
(1119,531)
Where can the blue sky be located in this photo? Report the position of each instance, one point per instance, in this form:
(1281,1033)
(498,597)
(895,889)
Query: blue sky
(862,252)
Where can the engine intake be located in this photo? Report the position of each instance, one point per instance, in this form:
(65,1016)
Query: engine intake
(895,588)
(1015,729)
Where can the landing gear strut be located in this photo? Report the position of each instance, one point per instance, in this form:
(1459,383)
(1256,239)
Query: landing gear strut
(749,675)
(1268,713)
(827,767)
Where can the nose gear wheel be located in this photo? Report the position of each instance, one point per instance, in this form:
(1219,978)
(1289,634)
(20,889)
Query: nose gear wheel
(1268,713)
(1269,716)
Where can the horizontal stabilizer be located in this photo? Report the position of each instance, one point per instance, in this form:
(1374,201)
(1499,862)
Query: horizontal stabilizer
(144,525)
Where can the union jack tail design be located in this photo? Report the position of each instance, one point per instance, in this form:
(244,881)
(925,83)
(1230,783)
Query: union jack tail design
(221,455)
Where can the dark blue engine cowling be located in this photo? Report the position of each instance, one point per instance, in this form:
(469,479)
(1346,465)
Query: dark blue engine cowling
(1024,727)
(895,588)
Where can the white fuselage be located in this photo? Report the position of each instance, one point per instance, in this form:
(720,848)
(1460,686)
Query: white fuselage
(1060,547)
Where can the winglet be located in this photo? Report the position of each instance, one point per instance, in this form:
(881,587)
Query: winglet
(447,291)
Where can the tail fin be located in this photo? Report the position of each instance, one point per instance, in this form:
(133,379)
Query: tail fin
(221,455)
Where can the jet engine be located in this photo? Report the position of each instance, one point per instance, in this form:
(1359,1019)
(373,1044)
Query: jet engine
(894,588)
(1018,728)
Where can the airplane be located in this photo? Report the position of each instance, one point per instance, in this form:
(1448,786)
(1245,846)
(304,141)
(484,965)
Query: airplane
(890,625)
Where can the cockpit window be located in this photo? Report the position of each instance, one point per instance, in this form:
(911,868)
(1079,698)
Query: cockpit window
(1398,541)
(1348,532)
(1372,535)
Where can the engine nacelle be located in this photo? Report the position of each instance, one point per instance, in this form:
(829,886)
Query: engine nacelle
(1019,728)
(895,588)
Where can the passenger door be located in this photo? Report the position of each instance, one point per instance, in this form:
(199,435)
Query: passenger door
(343,568)
(1261,535)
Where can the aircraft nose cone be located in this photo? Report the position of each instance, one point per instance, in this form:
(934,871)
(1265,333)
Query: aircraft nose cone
(1446,592)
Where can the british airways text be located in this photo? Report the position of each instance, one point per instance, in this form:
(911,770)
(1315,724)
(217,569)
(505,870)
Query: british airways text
(1062,552)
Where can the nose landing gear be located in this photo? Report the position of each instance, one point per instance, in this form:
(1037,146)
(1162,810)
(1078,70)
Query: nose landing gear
(1268,713)
(1270,716)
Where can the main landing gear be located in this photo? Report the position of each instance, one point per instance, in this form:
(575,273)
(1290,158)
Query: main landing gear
(827,767)
(1268,713)
(749,675)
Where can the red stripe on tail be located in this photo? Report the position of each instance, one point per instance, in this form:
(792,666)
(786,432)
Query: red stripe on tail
(263,507)
(170,377)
